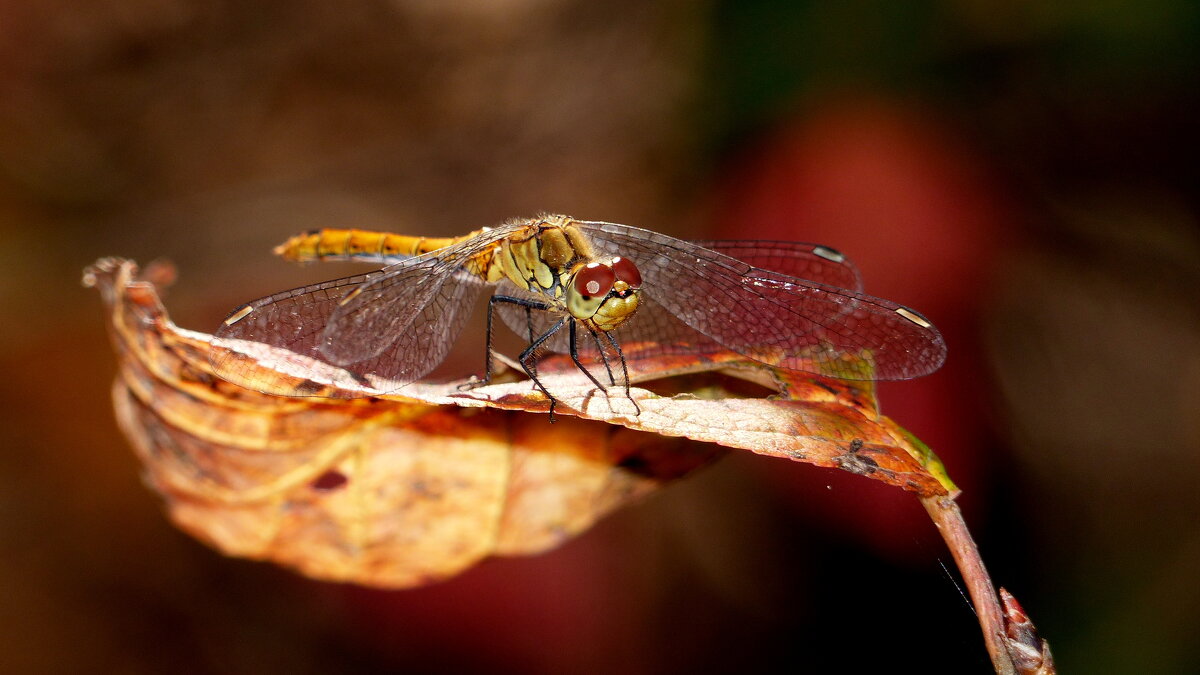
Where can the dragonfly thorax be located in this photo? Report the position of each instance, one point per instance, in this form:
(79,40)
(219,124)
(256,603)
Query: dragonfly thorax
(556,261)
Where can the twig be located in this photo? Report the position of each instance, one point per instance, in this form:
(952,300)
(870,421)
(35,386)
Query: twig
(949,521)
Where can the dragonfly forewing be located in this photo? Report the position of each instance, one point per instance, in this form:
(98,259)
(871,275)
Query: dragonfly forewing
(812,262)
(771,317)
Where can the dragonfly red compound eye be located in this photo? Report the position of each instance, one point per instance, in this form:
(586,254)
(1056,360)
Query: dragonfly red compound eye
(628,272)
(594,280)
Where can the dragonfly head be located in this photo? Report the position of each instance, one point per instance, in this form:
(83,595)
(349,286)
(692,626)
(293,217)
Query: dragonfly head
(604,293)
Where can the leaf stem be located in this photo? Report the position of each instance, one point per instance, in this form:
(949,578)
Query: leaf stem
(948,518)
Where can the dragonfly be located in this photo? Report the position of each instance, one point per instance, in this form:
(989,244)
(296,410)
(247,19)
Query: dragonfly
(576,287)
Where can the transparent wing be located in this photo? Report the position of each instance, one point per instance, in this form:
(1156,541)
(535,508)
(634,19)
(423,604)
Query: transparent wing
(807,261)
(771,317)
(812,262)
(384,329)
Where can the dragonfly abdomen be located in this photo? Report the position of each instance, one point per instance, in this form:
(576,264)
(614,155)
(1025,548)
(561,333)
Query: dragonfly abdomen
(359,246)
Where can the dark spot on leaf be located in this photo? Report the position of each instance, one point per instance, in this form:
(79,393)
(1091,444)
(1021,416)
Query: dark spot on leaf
(308,387)
(329,481)
(824,386)
(857,462)
(424,489)
(188,373)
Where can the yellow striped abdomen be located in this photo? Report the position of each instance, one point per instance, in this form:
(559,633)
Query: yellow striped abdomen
(359,245)
(384,248)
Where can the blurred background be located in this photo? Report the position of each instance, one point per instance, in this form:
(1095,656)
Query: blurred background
(1023,173)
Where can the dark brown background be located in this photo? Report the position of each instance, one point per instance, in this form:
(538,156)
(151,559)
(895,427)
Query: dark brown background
(1023,174)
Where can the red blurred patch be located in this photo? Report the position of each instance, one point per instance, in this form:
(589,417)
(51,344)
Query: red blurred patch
(545,613)
(916,209)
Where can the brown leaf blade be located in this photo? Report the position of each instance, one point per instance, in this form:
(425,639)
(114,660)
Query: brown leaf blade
(822,421)
(399,490)
(390,493)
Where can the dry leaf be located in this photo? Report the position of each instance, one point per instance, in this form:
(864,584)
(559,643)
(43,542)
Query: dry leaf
(389,493)
(400,490)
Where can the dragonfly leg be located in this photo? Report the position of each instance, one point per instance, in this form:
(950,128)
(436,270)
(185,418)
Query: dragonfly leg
(526,358)
(603,355)
(532,368)
(624,370)
(529,306)
(579,364)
